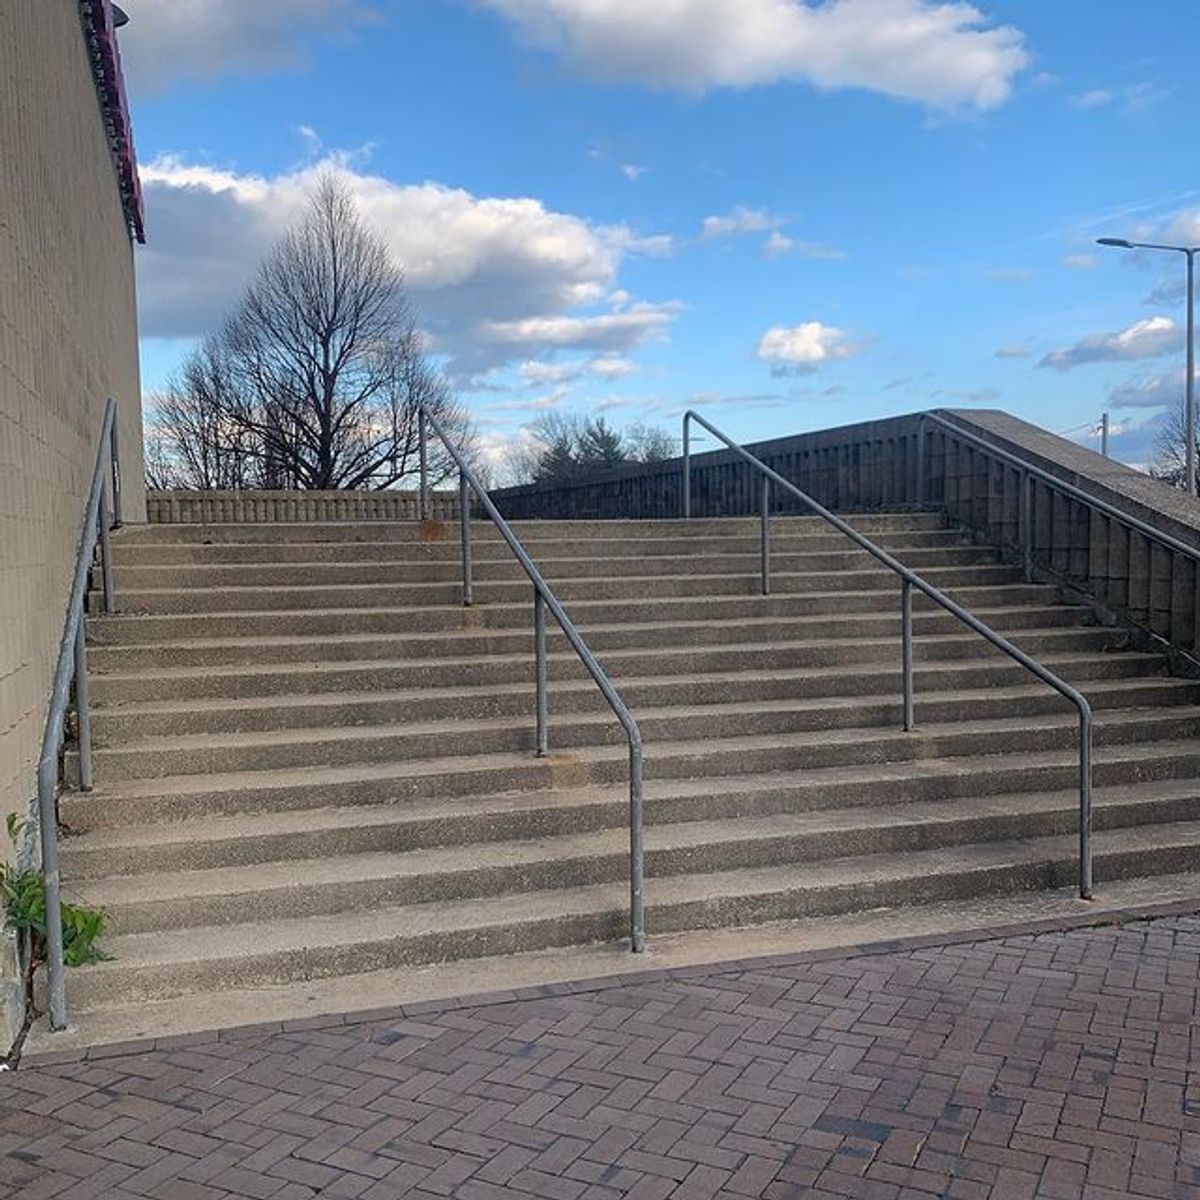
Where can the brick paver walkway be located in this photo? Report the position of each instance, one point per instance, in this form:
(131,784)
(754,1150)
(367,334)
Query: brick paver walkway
(1059,1065)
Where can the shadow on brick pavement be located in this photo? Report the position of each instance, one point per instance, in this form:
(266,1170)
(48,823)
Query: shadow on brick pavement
(1057,1065)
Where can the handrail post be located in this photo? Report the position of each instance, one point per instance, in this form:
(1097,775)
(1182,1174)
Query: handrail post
(545,600)
(48,829)
(105,550)
(423,462)
(910,581)
(1025,524)
(919,482)
(906,652)
(539,639)
(83,710)
(1085,803)
(687,468)
(114,463)
(637,852)
(464,516)
(766,536)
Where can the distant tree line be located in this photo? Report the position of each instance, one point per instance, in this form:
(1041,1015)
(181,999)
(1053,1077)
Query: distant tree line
(564,447)
(314,381)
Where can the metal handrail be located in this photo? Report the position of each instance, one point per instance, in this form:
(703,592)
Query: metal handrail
(543,599)
(910,580)
(72,667)
(1030,472)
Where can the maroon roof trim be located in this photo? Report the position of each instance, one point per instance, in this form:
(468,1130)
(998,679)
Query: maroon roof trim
(105,53)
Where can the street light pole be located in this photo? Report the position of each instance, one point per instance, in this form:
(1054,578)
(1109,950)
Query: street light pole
(1189,383)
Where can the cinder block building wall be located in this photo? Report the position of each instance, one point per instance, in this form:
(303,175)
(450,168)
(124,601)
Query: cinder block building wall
(68,340)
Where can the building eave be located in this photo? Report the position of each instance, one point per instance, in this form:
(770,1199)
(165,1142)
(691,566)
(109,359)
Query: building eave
(105,54)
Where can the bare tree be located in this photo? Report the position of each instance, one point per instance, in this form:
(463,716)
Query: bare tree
(1170,449)
(316,379)
(650,443)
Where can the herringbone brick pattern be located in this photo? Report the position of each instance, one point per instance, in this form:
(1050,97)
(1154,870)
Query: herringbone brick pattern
(1057,1065)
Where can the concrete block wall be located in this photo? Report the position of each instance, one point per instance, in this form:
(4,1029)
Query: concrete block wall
(68,340)
(282,507)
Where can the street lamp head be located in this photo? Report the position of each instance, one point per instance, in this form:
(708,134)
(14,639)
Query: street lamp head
(1122,242)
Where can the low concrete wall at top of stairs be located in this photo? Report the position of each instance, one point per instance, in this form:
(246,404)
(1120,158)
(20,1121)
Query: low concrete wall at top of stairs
(292,507)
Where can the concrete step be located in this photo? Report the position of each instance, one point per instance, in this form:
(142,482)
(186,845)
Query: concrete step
(137,553)
(858,662)
(147,966)
(297,598)
(434,531)
(441,793)
(328,1000)
(242,841)
(388,618)
(788,564)
(880,706)
(774,735)
(333,883)
(458,643)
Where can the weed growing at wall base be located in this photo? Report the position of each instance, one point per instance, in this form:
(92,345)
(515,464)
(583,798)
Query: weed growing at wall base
(23,899)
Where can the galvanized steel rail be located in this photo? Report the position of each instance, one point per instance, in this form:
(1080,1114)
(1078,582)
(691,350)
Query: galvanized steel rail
(543,599)
(72,667)
(910,580)
(1024,510)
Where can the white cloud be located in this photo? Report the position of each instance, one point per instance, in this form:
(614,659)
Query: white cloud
(542,373)
(779,244)
(625,240)
(943,54)
(1015,350)
(1080,262)
(168,41)
(1150,391)
(1168,291)
(1134,98)
(494,279)
(610,332)
(611,367)
(632,171)
(739,220)
(806,346)
(1096,98)
(1143,339)
(1185,227)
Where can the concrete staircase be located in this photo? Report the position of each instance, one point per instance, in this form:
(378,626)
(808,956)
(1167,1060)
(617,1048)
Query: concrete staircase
(313,762)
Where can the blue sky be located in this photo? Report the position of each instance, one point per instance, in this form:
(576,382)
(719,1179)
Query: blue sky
(799,216)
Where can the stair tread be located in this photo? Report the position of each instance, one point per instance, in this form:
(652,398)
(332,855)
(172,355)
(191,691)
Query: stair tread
(586,686)
(251,825)
(212,943)
(335,869)
(851,734)
(234,671)
(562,581)
(240,781)
(749,552)
(467,631)
(579,604)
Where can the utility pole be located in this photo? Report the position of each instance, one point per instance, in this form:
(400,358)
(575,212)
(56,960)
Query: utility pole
(1104,435)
